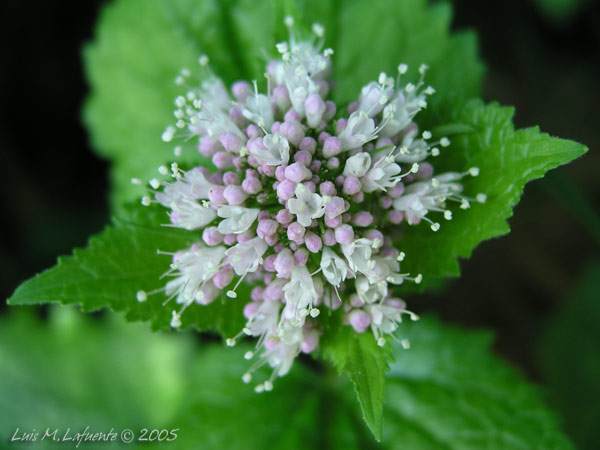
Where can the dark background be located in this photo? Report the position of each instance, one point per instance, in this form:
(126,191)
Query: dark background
(54,189)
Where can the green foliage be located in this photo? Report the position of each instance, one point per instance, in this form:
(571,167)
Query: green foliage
(448,391)
(571,362)
(120,261)
(507,159)
(74,371)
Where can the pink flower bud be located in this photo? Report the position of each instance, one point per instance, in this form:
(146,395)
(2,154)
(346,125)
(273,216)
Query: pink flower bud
(231,178)
(284,262)
(330,110)
(223,277)
(329,238)
(272,239)
(331,147)
(292,131)
(215,195)
(327,188)
(297,172)
(333,163)
(284,216)
(303,157)
(385,202)
(425,171)
(333,222)
(395,216)
(269,263)
(211,236)
(286,190)
(209,147)
(280,172)
(396,191)
(281,97)
(352,185)
(359,320)
(335,207)
(314,107)
(291,114)
(310,342)
(295,232)
(241,90)
(254,132)
(301,257)
(362,219)
(222,160)
(266,227)
(340,125)
(257,293)
(273,292)
(250,309)
(234,195)
(230,142)
(308,144)
(251,185)
(344,234)
(313,242)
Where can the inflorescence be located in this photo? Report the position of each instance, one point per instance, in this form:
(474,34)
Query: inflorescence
(305,202)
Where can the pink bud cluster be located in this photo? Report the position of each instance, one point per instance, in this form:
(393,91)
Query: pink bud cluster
(304,199)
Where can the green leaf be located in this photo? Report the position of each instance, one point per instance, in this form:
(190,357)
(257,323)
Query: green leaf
(448,391)
(365,363)
(132,63)
(571,362)
(507,159)
(119,262)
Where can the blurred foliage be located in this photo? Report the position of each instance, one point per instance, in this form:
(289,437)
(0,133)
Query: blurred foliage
(448,391)
(571,360)
(560,11)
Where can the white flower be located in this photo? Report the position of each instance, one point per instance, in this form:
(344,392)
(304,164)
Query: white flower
(385,317)
(358,254)
(299,292)
(257,109)
(193,185)
(401,110)
(214,94)
(385,269)
(370,292)
(277,150)
(237,219)
(421,197)
(264,321)
(189,214)
(247,256)
(357,165)
(382,175)
(287,347)
(334,268)
(194,266)
(306,206)
(360,130)
(373,98)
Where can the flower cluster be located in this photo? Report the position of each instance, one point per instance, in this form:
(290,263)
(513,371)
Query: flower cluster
(304,199)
